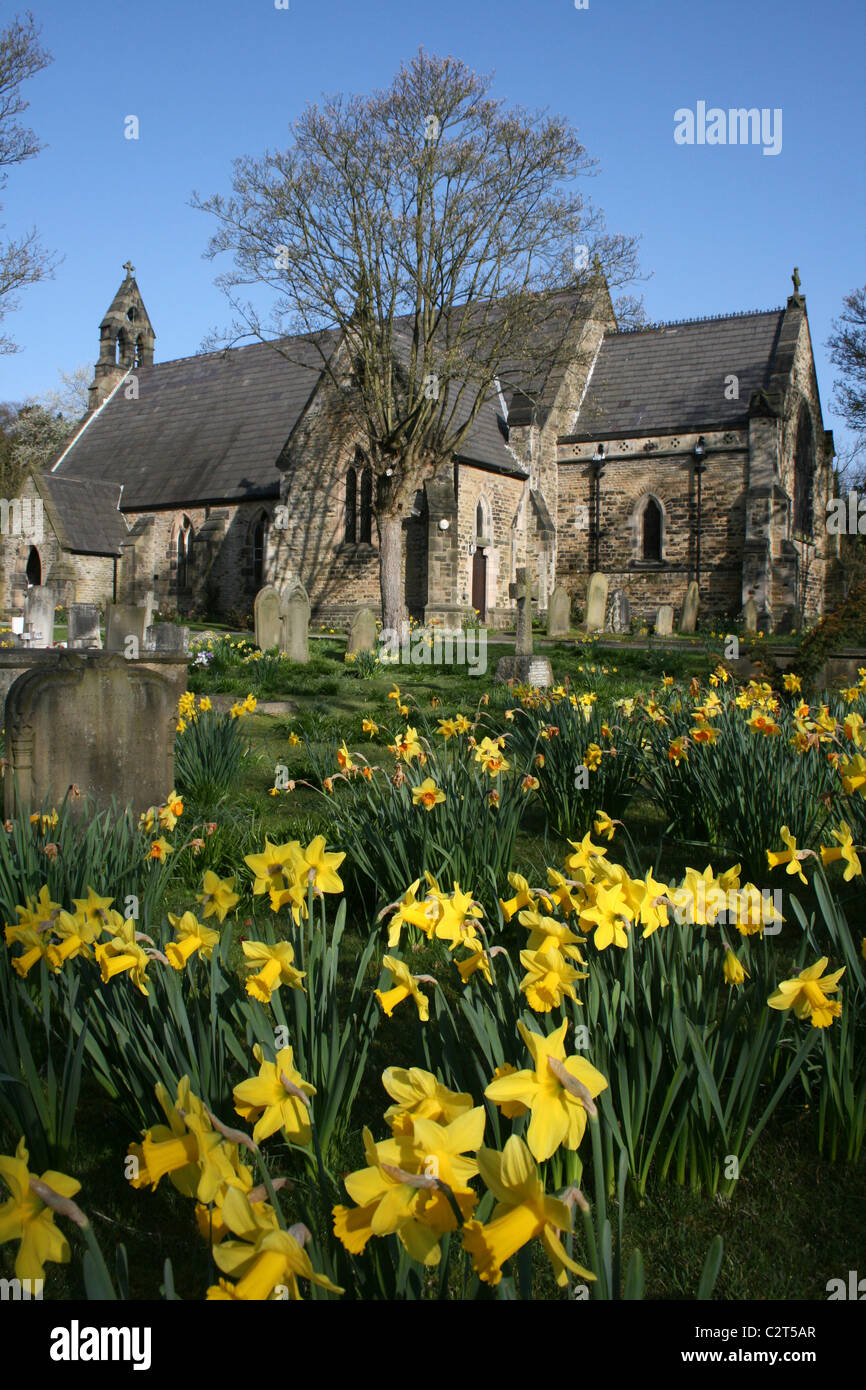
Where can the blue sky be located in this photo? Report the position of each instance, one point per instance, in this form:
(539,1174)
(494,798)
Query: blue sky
(210,80)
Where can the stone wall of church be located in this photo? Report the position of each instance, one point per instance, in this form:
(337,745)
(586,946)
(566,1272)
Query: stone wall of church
(661,467)
(500,498)
(74,578)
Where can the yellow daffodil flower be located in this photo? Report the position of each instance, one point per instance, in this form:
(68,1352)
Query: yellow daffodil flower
(274,967)
(557,1108)
(26,1218)
(272,1103)
(403,986)
(807,994)
(218,897)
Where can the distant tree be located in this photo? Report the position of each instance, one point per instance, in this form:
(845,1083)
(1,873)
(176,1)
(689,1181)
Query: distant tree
(71,398)
(847,345)
(38,435)
(433,231)
(23,261)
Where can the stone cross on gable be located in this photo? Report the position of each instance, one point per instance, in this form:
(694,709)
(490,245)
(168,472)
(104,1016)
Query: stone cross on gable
(129,268)
(795,279)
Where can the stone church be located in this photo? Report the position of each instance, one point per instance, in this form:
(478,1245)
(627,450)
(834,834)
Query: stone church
(684,451)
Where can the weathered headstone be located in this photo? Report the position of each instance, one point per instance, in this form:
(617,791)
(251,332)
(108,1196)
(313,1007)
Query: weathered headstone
(83,627)
(39,616)
(268,619)
(596,602)
(789,621)
(619,612)
(167,637)
(665,620)
(362,633)
(559,613)
(296,624)
(124,621)
(750,616)
(95,722)
(688,621)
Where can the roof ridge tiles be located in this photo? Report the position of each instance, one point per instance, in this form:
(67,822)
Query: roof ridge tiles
(703,318)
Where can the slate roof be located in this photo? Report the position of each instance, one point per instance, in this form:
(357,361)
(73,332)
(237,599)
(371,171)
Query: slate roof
(203,429)
(672,377)
(83,513)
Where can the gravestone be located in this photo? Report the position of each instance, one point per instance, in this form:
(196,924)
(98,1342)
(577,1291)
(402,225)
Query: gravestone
(788,622)
(524,666)
(688,621)
(665,620)
(296,623)
(750,616)
(596,602)
(619,612)
(83,627)
(362,633)
(559,613)
(39,616)
(167,637)
(93,721)
(122,621)
(268,618)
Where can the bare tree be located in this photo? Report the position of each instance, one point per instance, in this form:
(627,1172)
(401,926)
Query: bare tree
(23,261)
(423,238)
(847,345)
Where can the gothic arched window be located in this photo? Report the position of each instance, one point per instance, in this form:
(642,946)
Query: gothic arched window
(119,349)
(137,360)
(651,531)
(184,553)
(804,474)
(366,524)
(34,567)
(260,535)
(351,506)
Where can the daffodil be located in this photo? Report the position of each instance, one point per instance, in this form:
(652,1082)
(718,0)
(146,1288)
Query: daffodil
(275,1099)
(523,897)
(275,865)
(549,978)
(403,986)
(273,967)
(122,954)
(419,1095)
(734,971)
(556,1104)
(807,994)
(265,1258)
(790,856)
(412,911)
(319,867)
(523,1212)
(27,1219)
(218,897)
(846,851)
(427,794)
(191,937)
(610,914)
(547,933)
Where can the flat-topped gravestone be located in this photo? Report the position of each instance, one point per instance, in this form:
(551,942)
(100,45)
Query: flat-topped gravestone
(596,602)
(296,624)
(559,613)
(167,637)
(39,616)
(124,621)
(665,620)
(268,618)
(689,620)
(750,616)
(539,673)
(83,627)
(619,612)
(362,633)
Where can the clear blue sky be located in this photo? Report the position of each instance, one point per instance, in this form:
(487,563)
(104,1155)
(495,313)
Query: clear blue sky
(210,80)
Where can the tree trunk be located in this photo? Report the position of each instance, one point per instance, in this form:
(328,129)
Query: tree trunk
(391,570)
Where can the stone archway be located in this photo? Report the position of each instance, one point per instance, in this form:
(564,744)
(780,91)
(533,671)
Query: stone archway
(33,569)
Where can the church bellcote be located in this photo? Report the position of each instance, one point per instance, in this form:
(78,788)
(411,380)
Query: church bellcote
(126,339)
